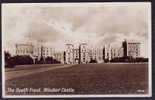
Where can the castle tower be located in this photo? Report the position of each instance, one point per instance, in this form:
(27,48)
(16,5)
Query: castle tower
(83,53)
(69,54)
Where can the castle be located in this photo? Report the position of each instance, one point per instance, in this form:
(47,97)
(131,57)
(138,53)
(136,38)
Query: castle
(82,54)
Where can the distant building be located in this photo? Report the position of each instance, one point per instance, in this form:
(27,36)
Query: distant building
(107,52)
(36,52)
(83,53)
(100,55)
(59,57)
(10,48)
(24,49)
(48,52)
(69,54)
(120,52)
(76,55)
(91,53)
(131,48)
(116,52)
(96,54)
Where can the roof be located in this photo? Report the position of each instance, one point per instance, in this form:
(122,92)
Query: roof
(24,45)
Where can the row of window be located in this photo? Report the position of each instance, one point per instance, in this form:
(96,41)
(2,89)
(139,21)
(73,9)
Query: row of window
(24,51)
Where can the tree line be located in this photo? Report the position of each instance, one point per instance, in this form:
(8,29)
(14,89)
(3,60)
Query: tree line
(25,60)
(128,59)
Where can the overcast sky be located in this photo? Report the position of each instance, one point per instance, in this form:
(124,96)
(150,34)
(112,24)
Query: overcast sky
(96,24)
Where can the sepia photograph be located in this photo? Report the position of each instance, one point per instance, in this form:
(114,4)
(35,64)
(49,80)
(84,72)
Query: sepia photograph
(58,50)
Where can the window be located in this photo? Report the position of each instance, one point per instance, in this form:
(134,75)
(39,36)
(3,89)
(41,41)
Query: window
(83,59)
(27,51)
(84,54)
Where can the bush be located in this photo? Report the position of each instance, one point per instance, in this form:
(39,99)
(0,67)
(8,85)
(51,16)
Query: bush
(18,60)
(56,61)
(41,61)
(22,60)
(8,62)
(93,61)
(129,59)
(49,60)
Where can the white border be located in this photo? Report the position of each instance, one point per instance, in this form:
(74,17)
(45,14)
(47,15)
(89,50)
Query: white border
(80,96)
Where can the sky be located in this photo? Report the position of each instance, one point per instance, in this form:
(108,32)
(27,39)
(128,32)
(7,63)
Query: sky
(96,24)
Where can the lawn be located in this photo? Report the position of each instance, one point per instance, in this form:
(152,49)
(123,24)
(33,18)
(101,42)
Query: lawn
(31,67)
(88,79)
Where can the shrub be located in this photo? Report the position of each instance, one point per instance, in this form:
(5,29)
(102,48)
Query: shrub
(18,60)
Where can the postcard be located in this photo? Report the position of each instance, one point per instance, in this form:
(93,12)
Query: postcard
(69,50)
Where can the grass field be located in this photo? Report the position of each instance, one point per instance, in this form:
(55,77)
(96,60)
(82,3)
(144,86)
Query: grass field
(87,79)
(31,67)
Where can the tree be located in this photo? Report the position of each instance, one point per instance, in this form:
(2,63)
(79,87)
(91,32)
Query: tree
(93,61)
(7,59)
(7,56)
(49,60)
(20,60)
(41,61)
